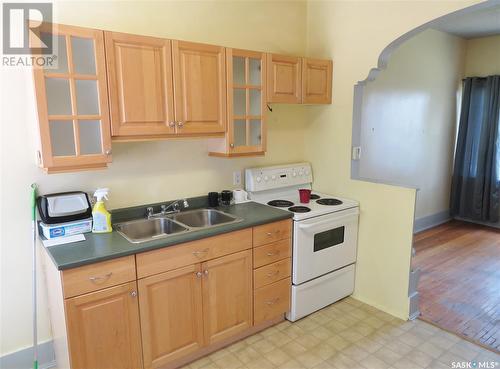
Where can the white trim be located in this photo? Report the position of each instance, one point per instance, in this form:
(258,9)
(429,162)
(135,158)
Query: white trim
(431,221)
(23,359)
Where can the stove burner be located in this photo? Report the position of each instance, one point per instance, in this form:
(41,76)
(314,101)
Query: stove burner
(299,209)
(329,202)
(314,196)
(280,203)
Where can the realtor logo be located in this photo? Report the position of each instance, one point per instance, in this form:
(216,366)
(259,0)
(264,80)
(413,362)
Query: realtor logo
(24,45)
(21,23)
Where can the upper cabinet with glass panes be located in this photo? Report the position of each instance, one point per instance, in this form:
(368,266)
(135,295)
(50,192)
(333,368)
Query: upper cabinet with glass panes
(72,102)
(246,99)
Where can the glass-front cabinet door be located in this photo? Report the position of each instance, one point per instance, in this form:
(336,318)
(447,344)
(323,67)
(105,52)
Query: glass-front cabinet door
(246,76)
(72,101)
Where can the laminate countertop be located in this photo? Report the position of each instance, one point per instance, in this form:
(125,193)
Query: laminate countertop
(100,247)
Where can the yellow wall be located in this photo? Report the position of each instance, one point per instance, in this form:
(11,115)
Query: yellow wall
(482,57)
(140,172)
(353,34)
(409,119)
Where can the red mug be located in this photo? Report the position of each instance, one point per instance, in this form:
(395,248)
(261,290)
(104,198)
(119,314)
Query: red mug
(305,195)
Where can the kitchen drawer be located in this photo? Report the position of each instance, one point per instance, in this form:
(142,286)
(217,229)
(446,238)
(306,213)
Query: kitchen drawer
(272,300)
(271,253)
(97,276)
(272,273)
(173,257)
(272,232)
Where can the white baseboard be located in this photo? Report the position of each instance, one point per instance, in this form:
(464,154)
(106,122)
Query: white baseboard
(23,359)
(430,221)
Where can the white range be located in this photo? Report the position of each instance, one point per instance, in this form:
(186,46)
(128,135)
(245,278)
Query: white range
(325,233)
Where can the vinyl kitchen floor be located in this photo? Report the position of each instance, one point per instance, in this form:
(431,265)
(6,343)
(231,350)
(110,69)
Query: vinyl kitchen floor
(349,335)
(460,282)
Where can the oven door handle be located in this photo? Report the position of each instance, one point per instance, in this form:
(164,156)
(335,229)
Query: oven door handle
(333,223)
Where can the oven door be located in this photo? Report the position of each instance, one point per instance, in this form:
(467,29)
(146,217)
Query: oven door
(324,244)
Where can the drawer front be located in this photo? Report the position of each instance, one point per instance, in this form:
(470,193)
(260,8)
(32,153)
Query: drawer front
(169,258)
(271,273)
(271,253)
(272,300)
(272,232)
(97,276)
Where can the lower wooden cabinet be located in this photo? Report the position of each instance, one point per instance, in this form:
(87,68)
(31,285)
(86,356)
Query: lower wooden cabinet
(197,298)
(227,296)
(171,315)
(103,329)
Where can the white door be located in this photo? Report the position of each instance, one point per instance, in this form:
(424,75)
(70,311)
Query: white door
(324,244)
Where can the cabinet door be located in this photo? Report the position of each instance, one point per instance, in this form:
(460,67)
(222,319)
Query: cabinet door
(227,296)
(103,329)
(283,79)
(200,88)
(140,85)
(171,315)
(246,73)
(72,101)
(316,81)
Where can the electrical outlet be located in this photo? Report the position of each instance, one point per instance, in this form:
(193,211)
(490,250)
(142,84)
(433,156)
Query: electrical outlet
(356,152)
(237,178)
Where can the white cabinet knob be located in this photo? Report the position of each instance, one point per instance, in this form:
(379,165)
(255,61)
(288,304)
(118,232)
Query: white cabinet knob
(258,179)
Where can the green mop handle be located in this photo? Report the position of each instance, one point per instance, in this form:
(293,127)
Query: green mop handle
(35,322)
(33,202)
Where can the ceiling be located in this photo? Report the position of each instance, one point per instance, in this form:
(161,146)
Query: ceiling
(481,23)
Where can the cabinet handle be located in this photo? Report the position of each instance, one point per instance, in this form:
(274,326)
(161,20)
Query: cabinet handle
(276,252)
(200,253)
(206,272)
(273,274)
(198,274)
(133,293)
(269,234)
(273,301)
(171,124)
(180,124)
(108,152)
(101,278)
(231,146)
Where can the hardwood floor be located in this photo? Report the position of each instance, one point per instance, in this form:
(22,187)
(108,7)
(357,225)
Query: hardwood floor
(460,281)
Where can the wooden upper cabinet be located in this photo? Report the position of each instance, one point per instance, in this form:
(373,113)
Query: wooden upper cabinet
(246,103)
(200,87)
(227,296)
(103,329)
(140,85)
(171,315)
(72,102)
(284,82)
(316,81)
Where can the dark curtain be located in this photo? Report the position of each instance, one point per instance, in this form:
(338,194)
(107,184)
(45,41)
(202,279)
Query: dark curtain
(475,192)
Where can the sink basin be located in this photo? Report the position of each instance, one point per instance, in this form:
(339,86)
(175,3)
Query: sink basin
(202,218)
(143,230)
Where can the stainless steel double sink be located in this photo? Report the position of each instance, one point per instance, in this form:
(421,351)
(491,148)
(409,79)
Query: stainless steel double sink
(143,230)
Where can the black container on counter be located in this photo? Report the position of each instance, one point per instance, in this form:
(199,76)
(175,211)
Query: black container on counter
(225,197)
(213,199)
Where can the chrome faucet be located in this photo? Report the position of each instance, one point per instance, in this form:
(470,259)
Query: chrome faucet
(175,205)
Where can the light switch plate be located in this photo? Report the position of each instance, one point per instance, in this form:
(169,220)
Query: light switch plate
(237,178)
(356,152)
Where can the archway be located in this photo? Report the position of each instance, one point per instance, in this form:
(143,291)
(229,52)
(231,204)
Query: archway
(395,147)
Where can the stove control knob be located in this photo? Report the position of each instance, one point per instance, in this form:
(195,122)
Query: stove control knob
(273,178)
(307,172)
(301,172)
(266,178)
(294,174)
(259,178)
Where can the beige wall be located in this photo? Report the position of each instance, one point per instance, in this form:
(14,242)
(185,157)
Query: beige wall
(140,172)
(352,33)
(482,57)
(409,119)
